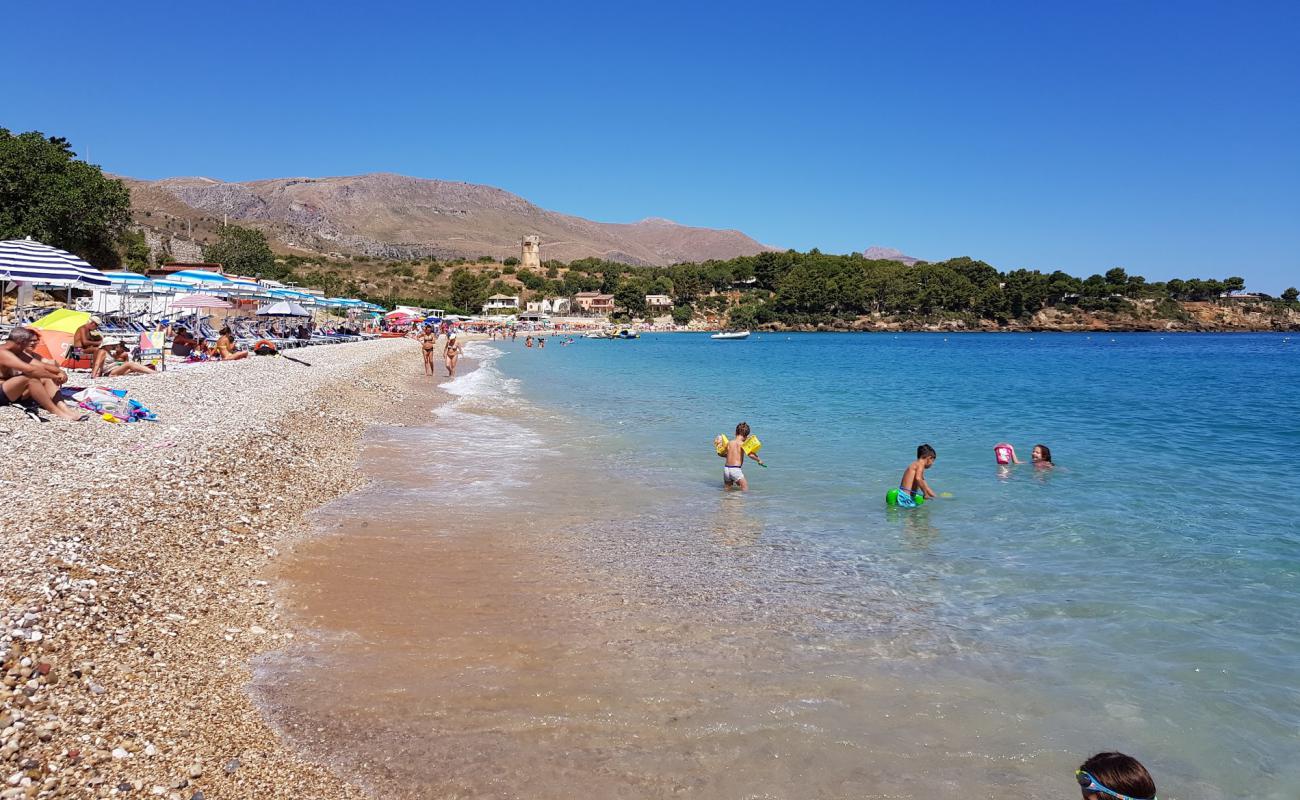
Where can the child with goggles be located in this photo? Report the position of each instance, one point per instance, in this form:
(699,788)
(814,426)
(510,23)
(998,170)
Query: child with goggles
(1115,776)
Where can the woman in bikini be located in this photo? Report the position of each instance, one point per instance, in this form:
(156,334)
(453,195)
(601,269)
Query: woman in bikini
(451,353)
(428,340)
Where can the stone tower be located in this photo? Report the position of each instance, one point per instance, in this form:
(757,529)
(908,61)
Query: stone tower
(531,254)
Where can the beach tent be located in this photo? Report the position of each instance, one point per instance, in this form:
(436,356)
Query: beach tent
(56,330)
(28,261)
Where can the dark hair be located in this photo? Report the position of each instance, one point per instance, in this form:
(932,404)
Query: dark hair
(226,331)
(1121,773)
(742,429)
(1047,452)
(22,335)
(926,451)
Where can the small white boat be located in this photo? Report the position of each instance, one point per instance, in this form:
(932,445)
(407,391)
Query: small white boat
(730,335)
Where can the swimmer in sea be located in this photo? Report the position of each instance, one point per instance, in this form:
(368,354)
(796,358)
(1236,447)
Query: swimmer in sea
(1042,457)
(912,489)
(732,474)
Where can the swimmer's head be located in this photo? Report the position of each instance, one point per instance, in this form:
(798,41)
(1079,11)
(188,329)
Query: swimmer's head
(742,430)
(1042,453)
(1120,774)
(926,452)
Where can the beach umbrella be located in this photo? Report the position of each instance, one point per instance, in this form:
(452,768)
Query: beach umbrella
(200,301)
(284,308)
(159,286)
(64,320)
(201,278)
(28,261)
(56,330)
(128,281)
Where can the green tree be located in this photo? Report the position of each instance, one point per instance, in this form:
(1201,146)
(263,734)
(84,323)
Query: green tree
(469,290)
(47,194)
(630,296)
(135,251)
(1290,295)
(1234,284)
(682,314)
(511,262)
(244,251)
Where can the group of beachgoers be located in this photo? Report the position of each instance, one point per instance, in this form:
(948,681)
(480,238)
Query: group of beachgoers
(912,491)
(451,350)
(34,382)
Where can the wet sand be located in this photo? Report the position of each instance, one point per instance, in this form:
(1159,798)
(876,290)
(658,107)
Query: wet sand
(527,641)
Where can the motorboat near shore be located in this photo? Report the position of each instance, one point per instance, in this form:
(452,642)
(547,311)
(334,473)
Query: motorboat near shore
(730,335)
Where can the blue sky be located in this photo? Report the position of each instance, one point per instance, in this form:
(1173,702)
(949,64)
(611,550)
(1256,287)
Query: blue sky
(1162,137)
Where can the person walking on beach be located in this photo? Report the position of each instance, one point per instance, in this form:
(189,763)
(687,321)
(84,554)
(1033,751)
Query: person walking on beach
(1115,776)
(451,354)
(428,341)
(733,476)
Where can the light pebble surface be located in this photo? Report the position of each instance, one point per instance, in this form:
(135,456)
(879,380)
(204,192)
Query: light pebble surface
(130,595)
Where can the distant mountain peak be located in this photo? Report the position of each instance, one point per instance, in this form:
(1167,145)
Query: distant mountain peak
(878,253)
(398,216)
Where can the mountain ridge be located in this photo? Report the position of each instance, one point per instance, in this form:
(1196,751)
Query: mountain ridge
(389,215)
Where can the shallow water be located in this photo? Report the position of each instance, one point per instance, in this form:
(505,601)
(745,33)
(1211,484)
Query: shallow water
(546,592)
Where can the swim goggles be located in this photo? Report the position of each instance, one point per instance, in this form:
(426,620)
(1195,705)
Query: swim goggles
(1091,784)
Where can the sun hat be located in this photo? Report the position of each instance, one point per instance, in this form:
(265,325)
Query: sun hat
(95,320)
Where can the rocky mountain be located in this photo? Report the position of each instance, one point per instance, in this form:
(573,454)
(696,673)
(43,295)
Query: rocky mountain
(877,253)
(394,216)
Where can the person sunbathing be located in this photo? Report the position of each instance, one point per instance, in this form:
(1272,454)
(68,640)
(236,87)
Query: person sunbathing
(121,363)
(183,343)
(225,347)
(86,343)
(26,377)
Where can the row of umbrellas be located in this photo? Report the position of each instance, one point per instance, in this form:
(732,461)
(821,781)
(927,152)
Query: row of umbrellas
(27,261)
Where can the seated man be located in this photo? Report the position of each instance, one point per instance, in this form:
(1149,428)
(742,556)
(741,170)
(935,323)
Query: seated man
(225,347)
(182,343)
(86,342)
(25,377)
(121,363)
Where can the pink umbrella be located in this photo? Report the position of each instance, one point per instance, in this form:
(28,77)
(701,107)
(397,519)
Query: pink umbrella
(200,301)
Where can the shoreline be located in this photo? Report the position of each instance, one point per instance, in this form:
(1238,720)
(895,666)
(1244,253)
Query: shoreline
(132,599)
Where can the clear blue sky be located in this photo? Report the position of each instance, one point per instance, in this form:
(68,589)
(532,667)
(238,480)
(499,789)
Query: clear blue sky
(1163,137)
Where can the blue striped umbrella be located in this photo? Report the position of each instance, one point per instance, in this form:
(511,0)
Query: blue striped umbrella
(129,281)
(27,261)
(201,278)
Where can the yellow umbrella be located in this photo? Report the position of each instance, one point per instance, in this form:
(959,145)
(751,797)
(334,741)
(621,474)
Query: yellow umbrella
(65,320)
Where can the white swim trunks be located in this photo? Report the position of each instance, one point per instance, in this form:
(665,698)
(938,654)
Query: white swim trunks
(732,475)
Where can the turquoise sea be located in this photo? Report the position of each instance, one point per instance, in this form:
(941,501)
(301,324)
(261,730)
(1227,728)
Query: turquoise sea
(546,593)
(1144,595)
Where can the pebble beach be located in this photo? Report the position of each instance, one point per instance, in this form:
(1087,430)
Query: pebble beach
(132,596)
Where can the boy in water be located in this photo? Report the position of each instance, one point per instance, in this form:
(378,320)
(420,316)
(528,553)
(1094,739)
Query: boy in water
(732,475)
(912,490)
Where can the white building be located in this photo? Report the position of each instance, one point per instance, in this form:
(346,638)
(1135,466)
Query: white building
(659,302)
(556,306)
(498,303)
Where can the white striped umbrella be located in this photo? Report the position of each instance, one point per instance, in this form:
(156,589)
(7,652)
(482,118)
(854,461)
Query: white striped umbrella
(201,278)
(28,261)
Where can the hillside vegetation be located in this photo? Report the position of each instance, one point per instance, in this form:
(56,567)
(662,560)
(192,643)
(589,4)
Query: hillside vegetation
(815,290)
